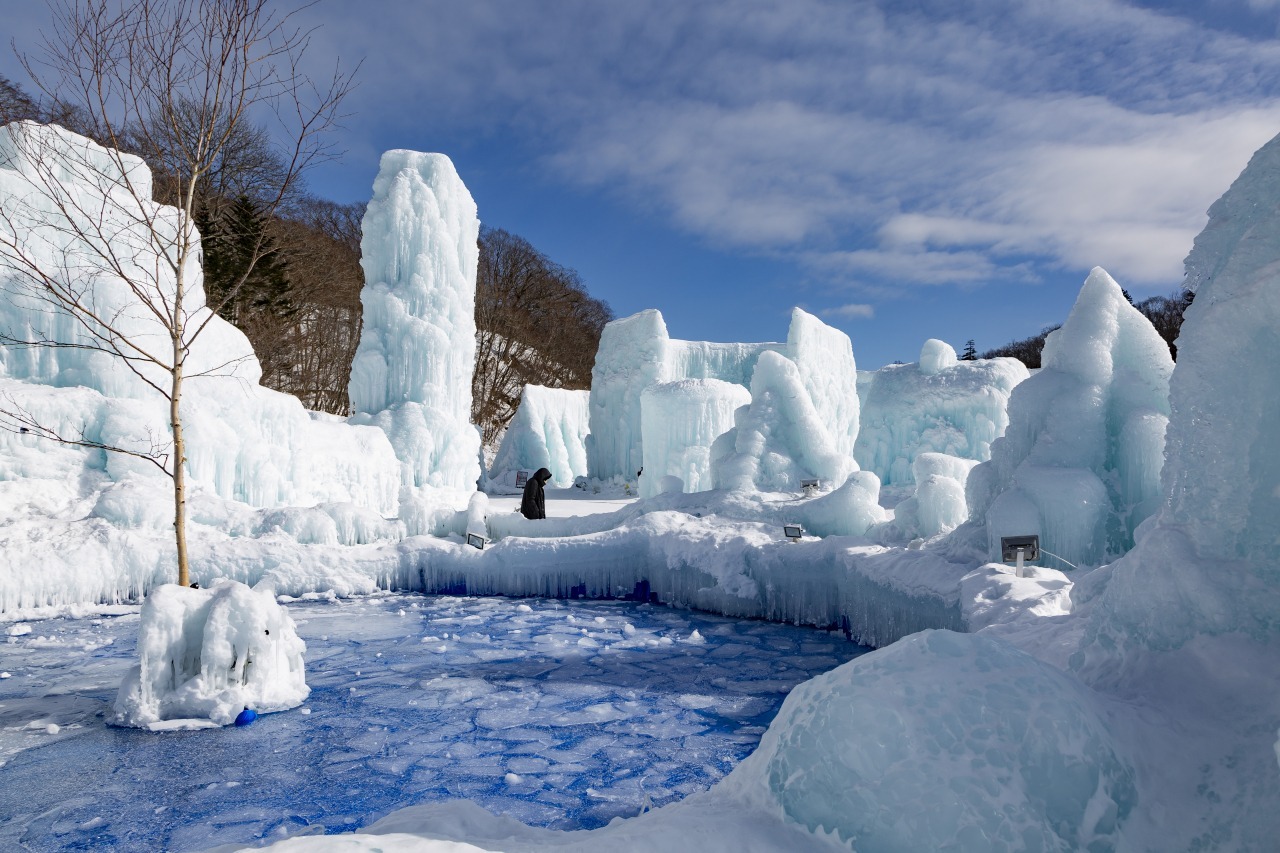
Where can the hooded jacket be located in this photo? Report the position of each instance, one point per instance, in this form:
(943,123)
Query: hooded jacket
(534,502)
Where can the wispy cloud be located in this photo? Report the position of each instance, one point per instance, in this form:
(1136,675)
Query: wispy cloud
(852,311)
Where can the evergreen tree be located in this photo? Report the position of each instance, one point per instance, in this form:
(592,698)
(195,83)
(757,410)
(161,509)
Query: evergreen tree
(243,271)
(970,352)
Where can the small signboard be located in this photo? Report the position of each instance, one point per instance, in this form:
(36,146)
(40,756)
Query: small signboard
(522,477)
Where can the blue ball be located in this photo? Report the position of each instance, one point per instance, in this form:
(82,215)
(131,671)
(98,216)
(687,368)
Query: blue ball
(245,717)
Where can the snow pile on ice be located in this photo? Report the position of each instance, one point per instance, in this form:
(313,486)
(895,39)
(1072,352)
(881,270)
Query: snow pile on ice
(412,371)
(637,353)
(779,440)
(244,442)
(549,430)
(940,405)
(207,654)
(948,741)
(679,422)
(1208,562)
(1079,464)
(938,505)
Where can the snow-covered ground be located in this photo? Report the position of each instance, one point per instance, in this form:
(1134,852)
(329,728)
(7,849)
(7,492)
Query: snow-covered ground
(558,714)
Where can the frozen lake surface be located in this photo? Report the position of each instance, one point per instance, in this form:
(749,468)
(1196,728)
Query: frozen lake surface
(558,713)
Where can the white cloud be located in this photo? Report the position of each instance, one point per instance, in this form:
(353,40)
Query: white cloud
(853,311)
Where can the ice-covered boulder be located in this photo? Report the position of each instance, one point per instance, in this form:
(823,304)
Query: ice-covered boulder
(679,422)
(70,204)
(549,430)
(412,371)
(947,741)
(207,654)
(1079,463)
(779,440)
(1207,563)
(940,405)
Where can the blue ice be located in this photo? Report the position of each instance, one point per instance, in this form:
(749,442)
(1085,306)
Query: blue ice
(559,713)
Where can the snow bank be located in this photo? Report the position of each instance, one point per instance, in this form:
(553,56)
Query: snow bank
(1020,749)
(679,422)
(1079,464)
(411,374)
(940,405)
(210,653)
(549,430)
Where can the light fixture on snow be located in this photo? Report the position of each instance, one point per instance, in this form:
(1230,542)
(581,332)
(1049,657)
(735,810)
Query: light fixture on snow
(793,532)
(476,542)
(1018,549)
(810,486)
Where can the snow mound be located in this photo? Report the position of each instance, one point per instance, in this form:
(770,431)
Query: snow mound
(209,654)
(947,741)
(412,371)
(1079,464)
(549,430)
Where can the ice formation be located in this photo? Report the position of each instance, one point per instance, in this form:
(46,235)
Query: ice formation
(1208,561)
(780,440)
(938,505)
(207,654)
(940,405)
(1079,464)
(244,442)
(412,371)
(549,430)
(679,422)
(636,353)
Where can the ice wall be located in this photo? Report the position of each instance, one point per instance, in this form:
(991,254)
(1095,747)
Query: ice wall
(244,442)
(679,422)
(209,654)
(412,371)
(1079,463)
(1208,562)
(637,352)
(779,440)
(940,405)
(549,430)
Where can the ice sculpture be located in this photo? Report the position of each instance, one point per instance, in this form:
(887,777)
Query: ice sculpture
(779,441)
(636,353)
(940,405)
(938,505)
(549,430)
(679,422)
(1079,464)
(412,371)
(207,654)
(1207,562)
(244,442)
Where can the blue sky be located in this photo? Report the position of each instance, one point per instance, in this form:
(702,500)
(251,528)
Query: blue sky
(904,170)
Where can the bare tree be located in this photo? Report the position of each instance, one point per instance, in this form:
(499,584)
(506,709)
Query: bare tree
(535,324)
(179,82)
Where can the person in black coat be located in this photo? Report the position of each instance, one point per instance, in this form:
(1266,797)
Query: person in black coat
(534,502)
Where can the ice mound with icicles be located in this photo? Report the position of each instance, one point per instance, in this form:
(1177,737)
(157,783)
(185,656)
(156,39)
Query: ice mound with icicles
(939,504)
(679,423)
(938,405)
(412,371)
(207,654)
(946,741)
(549,430)
(1079,464)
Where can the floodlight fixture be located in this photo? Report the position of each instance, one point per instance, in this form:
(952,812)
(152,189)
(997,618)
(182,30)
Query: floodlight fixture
(810,486)
(793,532)
(476,541)
(1019,549)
